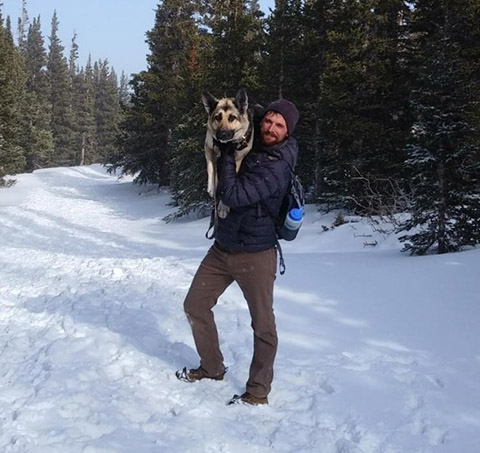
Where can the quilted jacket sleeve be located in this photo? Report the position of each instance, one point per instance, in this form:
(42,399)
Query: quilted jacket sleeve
(258,183)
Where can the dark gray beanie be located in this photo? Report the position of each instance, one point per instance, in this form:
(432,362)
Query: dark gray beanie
(288,110)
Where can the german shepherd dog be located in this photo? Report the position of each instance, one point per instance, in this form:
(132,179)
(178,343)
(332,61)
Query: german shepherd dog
(230,123)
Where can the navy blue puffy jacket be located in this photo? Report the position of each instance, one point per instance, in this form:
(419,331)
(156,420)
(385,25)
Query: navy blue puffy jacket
(257,189)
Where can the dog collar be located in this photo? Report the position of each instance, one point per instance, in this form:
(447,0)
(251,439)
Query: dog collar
(244,142)
(241,144)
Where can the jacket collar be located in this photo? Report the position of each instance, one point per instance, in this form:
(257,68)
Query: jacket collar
(287,150)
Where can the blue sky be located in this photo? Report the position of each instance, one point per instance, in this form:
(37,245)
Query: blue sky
(111,29)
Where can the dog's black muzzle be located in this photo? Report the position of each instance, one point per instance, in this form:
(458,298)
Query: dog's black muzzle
(224,135)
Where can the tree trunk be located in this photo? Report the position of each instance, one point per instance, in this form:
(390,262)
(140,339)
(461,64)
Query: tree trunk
(442,208)
(82,156)
(318,169)
(281,76)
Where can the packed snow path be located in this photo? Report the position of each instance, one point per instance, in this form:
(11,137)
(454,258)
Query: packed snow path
(379,352)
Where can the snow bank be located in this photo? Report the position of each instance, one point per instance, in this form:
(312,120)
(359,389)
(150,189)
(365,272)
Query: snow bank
(379,352)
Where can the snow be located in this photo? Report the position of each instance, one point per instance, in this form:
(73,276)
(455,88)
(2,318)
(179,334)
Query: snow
(378,351)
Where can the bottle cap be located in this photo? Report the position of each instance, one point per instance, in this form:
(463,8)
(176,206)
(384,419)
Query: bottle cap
(295,214)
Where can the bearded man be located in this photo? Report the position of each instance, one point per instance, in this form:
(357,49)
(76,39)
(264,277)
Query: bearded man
(245,251)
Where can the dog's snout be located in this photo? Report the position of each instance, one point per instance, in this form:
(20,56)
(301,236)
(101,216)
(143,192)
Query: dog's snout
(224,135)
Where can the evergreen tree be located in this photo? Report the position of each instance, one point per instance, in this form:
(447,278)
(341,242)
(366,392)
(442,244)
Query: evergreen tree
(23,27)
(12,90)
(188,176)
(237,43)
(124,91)
(187,163)
(72,61)
(38,141)
(8,27)
(444,152)
(228,40)
(363,92)
(77,93)
(61,101)
(313,49)
(84,110)
(294,64)
(283,51)
(158,100)
(107,111)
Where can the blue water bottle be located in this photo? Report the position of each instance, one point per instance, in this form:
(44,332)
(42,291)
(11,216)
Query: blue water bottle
(293,221)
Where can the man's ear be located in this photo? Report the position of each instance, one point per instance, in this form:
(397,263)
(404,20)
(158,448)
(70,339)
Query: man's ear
(209,102)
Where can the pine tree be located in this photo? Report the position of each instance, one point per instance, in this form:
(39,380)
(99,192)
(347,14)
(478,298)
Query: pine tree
(188,177)
(363,89)
(187,162)
(76,80)
(229,40)
(72,61)
(283,60)
(12,91)
(124,91)
(61,101)
(444,151)
(107,111)
(23,23)
(237,43)
(84,111)
(157,100)
(38,141)
(83,108)
(294,63)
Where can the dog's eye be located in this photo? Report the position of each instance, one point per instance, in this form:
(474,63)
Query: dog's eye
(232,118)
(218,117)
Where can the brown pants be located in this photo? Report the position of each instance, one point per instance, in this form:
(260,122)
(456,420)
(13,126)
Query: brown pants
(255,274)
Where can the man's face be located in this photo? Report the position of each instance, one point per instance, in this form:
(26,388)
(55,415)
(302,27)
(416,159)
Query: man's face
(273,129)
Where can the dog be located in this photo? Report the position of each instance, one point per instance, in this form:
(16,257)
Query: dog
(230,123)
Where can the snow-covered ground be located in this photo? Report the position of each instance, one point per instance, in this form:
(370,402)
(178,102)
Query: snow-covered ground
(379,351)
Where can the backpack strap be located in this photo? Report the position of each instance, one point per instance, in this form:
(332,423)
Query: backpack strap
(293,175)
(281,263)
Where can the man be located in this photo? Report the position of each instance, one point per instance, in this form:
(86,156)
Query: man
(244,251)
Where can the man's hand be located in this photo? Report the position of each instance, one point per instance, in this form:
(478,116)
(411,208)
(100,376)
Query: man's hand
(228,149)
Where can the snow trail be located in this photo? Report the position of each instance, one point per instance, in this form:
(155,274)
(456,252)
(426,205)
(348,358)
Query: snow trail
(378,352)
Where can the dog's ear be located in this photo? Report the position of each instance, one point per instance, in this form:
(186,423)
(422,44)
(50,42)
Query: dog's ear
(209,102)
(241,101)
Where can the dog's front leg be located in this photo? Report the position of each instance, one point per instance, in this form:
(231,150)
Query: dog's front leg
(211,172)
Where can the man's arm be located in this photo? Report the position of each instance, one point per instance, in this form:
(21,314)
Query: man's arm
(257,184)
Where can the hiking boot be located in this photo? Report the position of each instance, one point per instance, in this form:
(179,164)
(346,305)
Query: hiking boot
(248,398)
(197,374)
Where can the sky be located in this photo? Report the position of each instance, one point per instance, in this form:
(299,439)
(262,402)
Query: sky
(107,29)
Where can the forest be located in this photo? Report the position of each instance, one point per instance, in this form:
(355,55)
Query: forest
(388,93)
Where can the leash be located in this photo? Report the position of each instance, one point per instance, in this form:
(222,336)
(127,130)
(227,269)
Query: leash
(281,261)
(213,220)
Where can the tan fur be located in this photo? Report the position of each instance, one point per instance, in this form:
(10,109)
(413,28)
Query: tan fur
(224,117)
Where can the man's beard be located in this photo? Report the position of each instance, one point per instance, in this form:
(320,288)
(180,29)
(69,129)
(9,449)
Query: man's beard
(269,139)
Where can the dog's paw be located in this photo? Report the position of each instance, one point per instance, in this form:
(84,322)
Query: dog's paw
(211,190)
(222,210)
